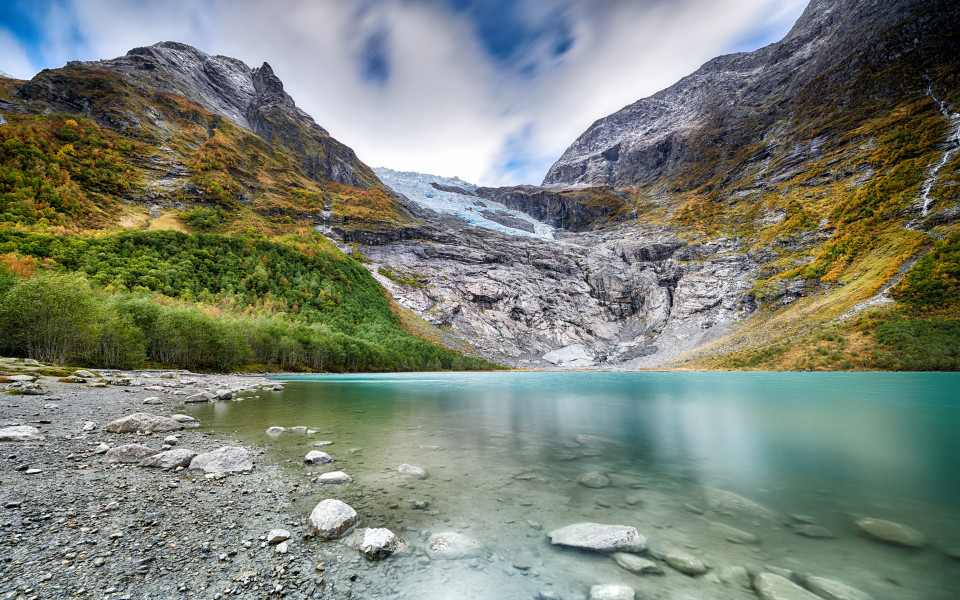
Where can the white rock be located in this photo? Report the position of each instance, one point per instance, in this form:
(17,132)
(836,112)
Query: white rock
(143,422)
(275,430)
(152,400)
(171,439)
(185,419)
(282,548)
(277,388)
(103,447)
(22,378)
(19,433)
(374,544)
(331,518)
(412,471)
(575,356)
(599,537)
(229,459)
(275,536)
(85,373)
(224,394)
(316,457)
(89,426)
(612,592)
(200,397)
(770,586)
(334,477)
(453,545)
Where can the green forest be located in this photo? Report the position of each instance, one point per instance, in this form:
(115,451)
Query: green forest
(203,302)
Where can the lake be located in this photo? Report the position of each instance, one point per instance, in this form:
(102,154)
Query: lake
(680,456)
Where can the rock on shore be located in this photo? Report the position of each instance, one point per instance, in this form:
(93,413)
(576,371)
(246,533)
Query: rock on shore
(332,518)
(229,459)
(143,422)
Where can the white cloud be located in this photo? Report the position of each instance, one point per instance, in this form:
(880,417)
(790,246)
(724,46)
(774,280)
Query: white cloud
(14,58)
(447,107)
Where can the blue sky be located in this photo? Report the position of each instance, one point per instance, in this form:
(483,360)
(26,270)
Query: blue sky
(492,91)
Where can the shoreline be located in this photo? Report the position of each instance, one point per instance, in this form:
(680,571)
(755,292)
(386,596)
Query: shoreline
(73,526)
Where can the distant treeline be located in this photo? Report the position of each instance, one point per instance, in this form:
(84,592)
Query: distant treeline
(202,302)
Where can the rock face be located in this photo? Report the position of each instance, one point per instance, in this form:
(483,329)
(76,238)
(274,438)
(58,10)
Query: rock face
(331,518)
(374,544)
(599,538)
(775,587)
(128,453)
(891,533)
(169,459)
(229,459)
(143,422)
(19,433)
(453,545)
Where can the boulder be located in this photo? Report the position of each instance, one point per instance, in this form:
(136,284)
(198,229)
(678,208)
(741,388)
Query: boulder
(171,440)
(228,459)
(453,545)
(277,388)
(829,589)
(732,534)
(144,422)
(599,538)
(26,388)
(612,592)
(316,457)
(334,477)
(200,397)
(22,378)
(224,394)
(185,419)
(735,575)
(686,563)
(412,471)
(128,453)
(374,544)
(594,479)
(169,459)
(152,400)
(275,536)
(729,503)
(86,374)
(331,519)
(637,564)
(770,586)
(19,433)
(891,533)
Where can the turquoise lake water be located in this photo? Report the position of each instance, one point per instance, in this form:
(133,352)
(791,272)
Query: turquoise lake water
(506,452)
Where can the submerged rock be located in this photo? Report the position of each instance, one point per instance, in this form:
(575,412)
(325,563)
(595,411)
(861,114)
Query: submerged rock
(185,419)
(316,457)
(453,545)
(19,433)
(891,533)
(374,544)
(128,453)
(334,477)
(729,503)
(599,537)
(732,534)
(228,459)
(734,575)
(594,479)
(275,430)
(412,471)
(686,563)
(637,564)
(770,586)
(833,590)
(813,531)
(612,592)
(143,422)
(331,518)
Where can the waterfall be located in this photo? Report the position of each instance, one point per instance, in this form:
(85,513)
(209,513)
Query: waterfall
(953,141)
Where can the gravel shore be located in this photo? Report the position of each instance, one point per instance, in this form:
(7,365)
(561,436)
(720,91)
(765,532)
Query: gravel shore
(74,527)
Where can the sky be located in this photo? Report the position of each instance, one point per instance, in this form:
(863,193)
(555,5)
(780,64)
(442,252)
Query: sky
(492,91)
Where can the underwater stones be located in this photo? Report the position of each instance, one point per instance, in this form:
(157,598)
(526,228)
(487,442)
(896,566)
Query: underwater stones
(374,543)
(452,545)
(316,457)
(331,518)
(729,503)
(275,430)
(686,563)
(594,479)
(829,589)
(735,575)
(637,564)
(185,419)
(612,592)
(732,534)
(598,537)
(412,471)
(770,586)
(811,530)
(891,533)
(334,477)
